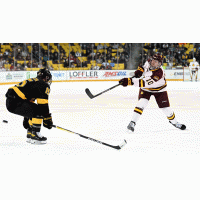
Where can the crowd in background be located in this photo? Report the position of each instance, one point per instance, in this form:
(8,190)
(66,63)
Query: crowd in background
(106,55)
(39,57)
(175,54)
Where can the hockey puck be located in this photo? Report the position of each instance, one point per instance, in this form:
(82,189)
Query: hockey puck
(5,121)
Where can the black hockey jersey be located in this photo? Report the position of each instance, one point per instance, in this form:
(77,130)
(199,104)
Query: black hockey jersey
(32,89)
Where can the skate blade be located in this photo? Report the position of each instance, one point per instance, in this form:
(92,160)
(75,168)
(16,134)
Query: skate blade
(128,131)
(28,140)
(38,142)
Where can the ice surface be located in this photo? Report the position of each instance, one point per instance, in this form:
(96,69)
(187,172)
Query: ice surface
(158,162)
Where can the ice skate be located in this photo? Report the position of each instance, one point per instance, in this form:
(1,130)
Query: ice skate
(131,127)
(37,138)
(178,125)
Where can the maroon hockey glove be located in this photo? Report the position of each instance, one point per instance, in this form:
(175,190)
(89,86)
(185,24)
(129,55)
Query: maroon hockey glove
(126,81)
(47,121)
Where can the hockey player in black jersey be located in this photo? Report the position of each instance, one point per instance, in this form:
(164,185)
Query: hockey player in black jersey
(20,100)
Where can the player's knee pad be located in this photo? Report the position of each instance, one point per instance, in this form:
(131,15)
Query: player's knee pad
(142,103)
(167,111)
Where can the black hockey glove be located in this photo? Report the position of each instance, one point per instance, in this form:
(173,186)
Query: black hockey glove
(25,123)
(126,81)
(47,121)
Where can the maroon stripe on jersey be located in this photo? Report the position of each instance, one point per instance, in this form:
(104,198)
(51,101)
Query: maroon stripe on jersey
(156,89)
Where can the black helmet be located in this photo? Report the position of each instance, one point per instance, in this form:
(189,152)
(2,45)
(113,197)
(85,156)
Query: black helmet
(44,73)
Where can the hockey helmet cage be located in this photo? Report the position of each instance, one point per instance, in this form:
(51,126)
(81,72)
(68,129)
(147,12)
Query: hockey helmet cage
(45,74)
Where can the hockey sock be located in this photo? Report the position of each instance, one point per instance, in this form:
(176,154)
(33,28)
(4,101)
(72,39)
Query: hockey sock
(36,123)
(170,114)
(30,122)
(141,105)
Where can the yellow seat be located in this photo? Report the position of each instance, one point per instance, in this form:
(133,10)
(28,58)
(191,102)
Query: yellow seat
(93,62)
(113,54)
(100,50)
(89,65)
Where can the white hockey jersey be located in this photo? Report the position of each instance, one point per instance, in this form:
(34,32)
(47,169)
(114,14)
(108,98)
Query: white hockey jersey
(194,65)
(150,80)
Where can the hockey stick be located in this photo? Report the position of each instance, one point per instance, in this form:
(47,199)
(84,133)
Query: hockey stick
(93,96)
(94,140)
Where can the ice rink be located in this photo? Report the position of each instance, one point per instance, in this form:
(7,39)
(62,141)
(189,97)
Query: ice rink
(158,162)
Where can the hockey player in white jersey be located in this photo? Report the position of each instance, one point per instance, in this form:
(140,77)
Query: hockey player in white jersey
(194,67)
(151,79)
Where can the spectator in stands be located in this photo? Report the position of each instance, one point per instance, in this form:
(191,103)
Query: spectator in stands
(34,64)
(12,67)
(72,65)
(102,67)
(28,57)
(23,66)
(99,46)
(109,56)
(84,64)
(65,62)
(5,55)
(190,56)
(91,68)
(50,67)
(99,60)
(112,64)
(2,69)
(24,54)
(96,67)
(109,50)
(105,64)
(122,59)
(197,55)
(91,56)
(108,67)
(51,55)
(55,56)
(88,52)
(77,54)
(78,62)
(71,58)
(29,64)
(184,56)
(2,62)
(115,46)
(45,58)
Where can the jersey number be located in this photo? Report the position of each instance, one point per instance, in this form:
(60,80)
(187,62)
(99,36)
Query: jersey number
(47,91)
(150,81)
